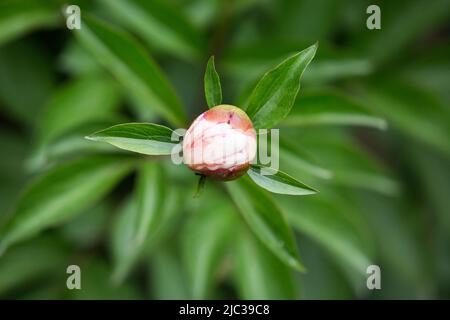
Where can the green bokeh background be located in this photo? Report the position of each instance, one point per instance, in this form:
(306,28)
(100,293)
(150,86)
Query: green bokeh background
(387,203)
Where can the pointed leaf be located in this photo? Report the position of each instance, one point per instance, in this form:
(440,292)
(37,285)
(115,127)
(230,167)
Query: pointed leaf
(61,193)
(277,181)
(265,220)
(274,95)
(145,138)
(132,67)
(213,90)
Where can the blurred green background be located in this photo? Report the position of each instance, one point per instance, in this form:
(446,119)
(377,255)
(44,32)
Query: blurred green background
(384,192)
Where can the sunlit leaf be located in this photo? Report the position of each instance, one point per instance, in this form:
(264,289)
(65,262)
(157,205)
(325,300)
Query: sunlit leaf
(145,138)
(273,97)
(277,181)
(265,220)
(213,90)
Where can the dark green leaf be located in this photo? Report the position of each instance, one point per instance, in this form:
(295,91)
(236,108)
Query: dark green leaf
(412,110)
(400,31)
(259,274)
(61,193)
(213,90)
(83,100)
(328,107)
(273,97)
(18,17)
(24,102)
(265,220)
(130,64)
(161,24)
(278,182)
(151,196)
(145,138)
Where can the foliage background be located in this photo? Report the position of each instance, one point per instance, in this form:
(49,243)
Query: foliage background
(387,202)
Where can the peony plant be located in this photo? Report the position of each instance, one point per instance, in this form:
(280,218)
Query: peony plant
(221,143)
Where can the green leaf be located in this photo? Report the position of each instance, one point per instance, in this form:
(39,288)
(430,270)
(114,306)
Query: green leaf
(259,274)
(329,107)
(82,100)
(125,251)
(274,95)
(213,90)
(72,144)
(151,196)
(333,226)
(18,17)
(96,284)
(278,182)
(61,193)
(300,160)
(413,111)
(145,138)
(132,67)
(205,240)
(350,164)
(123,240)
(31,261)
(399,32)
(265,220)
(25,101)
(161,24)
(167,279)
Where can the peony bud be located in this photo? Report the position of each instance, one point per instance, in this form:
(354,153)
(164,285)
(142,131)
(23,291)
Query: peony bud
(220,143)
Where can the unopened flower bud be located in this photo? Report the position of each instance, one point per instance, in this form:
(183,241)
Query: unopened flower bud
(220,143)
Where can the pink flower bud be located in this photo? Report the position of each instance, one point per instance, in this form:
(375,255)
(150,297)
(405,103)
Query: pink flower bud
(220,143)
